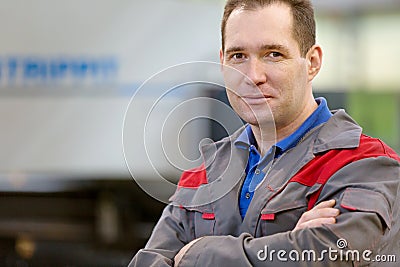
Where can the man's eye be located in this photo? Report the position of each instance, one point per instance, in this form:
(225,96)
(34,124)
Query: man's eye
(238,56)
(274,55)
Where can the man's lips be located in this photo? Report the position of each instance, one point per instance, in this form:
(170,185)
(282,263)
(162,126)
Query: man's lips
(256,99)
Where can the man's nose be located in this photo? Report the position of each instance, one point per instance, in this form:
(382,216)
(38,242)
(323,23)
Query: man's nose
(256,72)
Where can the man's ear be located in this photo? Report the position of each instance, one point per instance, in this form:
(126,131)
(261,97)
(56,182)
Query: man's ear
(221,58)
(314,59)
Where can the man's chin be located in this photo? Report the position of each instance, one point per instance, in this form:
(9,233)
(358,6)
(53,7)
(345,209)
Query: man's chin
(263,122)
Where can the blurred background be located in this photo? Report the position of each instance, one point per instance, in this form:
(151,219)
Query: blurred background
(68,70)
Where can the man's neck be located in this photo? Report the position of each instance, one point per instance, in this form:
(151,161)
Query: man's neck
(269,134)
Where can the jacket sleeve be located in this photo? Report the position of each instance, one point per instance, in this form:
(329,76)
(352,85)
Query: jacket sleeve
(365,192)
(170,234)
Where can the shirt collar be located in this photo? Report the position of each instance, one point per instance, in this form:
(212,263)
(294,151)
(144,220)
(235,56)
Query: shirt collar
(246,138)
(319,116)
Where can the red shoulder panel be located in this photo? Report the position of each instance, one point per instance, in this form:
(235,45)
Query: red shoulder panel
(322,167)
(193,178)
(389,151)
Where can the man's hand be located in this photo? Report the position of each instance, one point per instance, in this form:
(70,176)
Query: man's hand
(181,253)
(323,213)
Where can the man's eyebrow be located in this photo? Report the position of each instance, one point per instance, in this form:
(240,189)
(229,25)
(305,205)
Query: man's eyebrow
(263,47)
(275,47)
(234,49)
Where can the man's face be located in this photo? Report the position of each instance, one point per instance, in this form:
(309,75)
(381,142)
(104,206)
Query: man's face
(260,44)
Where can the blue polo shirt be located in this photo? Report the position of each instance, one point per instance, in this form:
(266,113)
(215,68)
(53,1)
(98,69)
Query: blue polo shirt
(255,164)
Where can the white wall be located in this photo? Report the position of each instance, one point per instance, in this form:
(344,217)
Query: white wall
(70,124)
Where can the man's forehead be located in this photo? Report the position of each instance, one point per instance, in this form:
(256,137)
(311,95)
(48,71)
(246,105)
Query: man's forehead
(239,10)
(256,8)
(271,16)
(265,25)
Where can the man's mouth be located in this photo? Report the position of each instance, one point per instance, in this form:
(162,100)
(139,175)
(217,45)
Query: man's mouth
(256,99)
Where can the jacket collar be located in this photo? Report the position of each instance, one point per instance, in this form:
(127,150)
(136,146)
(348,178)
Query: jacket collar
(339,132)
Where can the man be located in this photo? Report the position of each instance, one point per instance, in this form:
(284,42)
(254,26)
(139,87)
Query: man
(267,194)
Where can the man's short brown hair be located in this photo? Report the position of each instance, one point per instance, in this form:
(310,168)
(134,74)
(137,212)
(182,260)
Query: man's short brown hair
(303,19)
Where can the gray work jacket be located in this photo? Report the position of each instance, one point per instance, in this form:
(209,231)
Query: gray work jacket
(333,161)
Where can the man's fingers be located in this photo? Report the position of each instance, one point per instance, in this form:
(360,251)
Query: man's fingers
(316,223)
(320,213)
(326,204)
(323,213)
